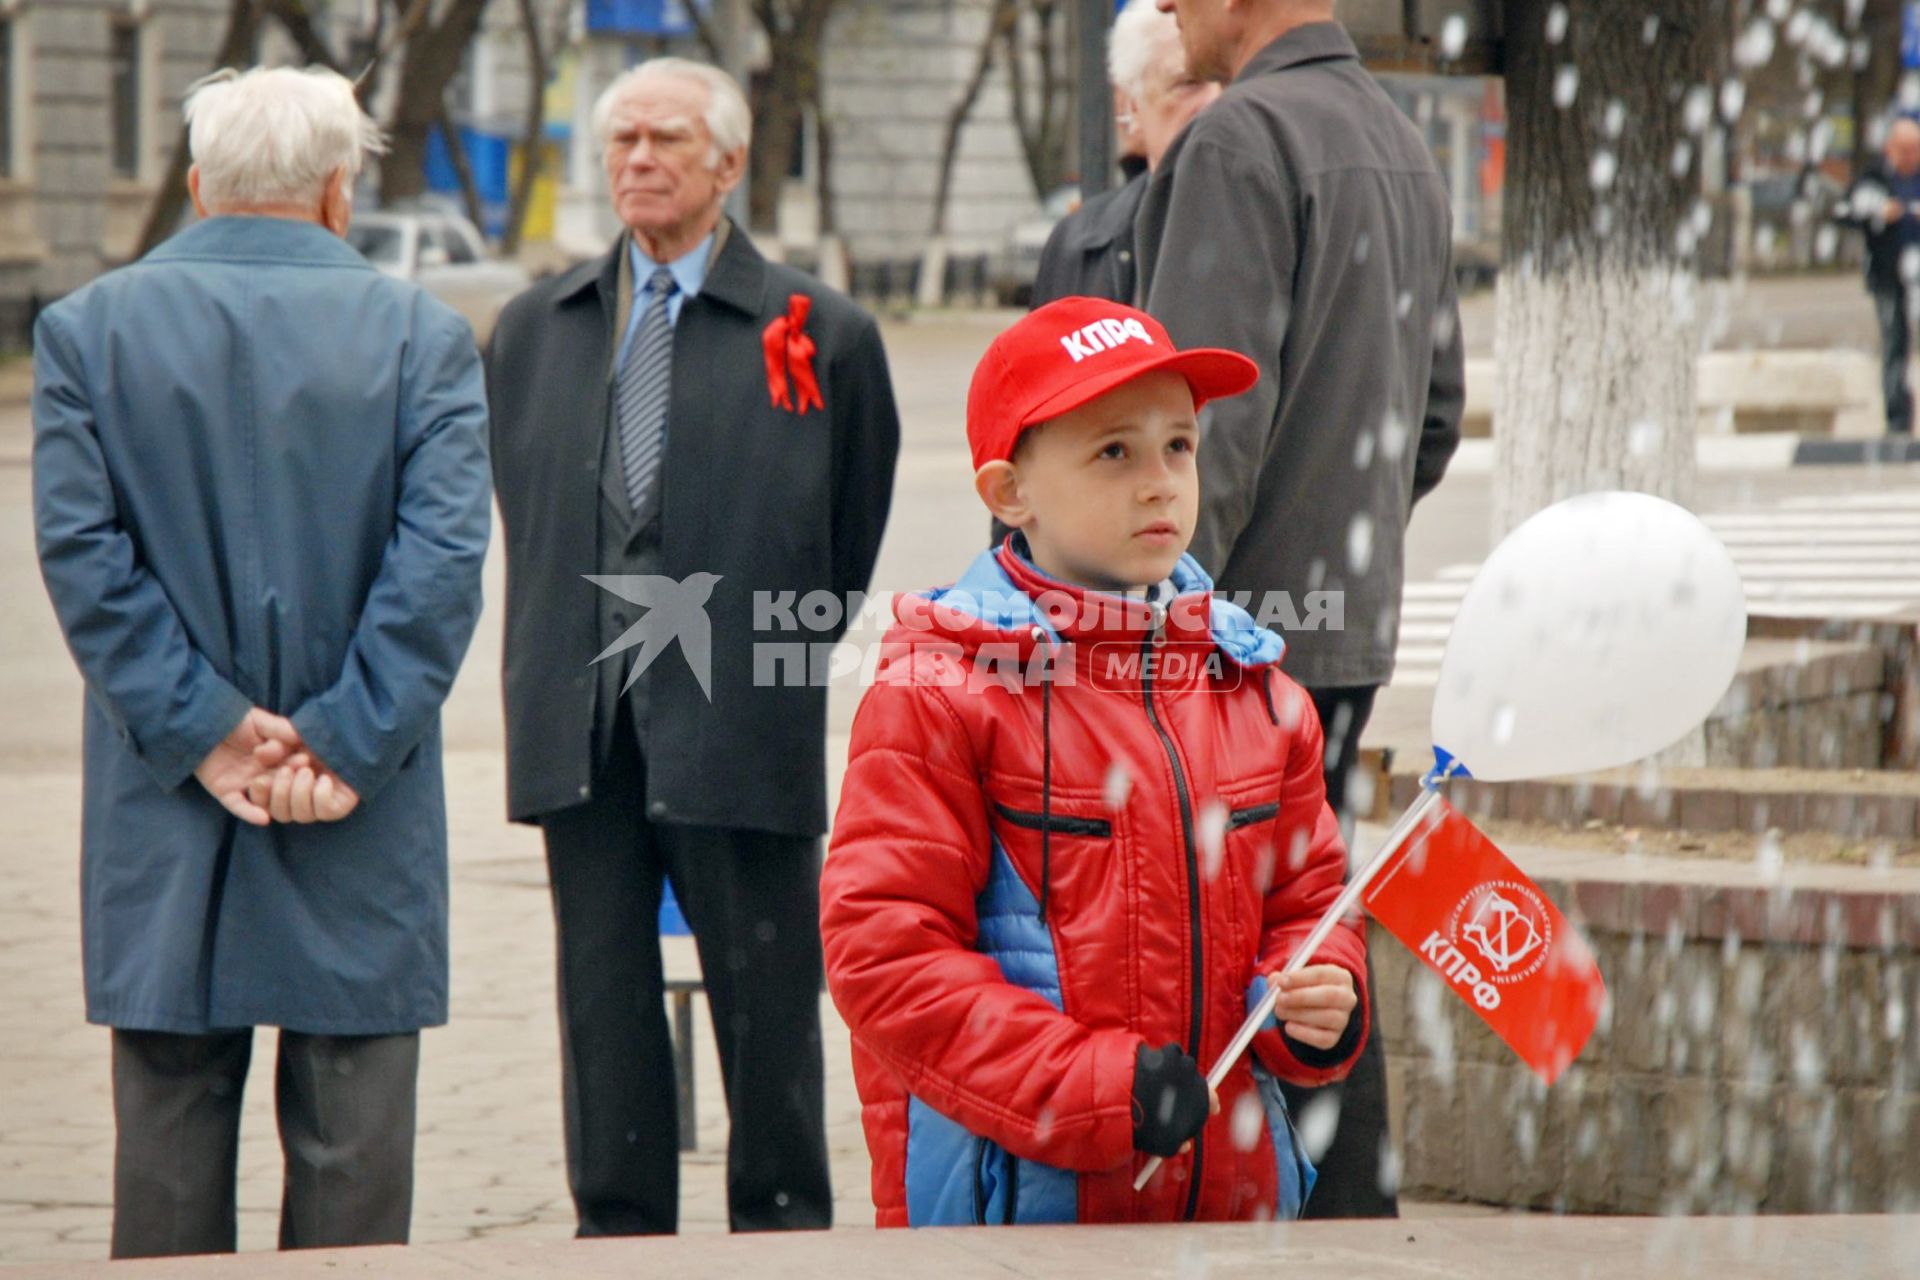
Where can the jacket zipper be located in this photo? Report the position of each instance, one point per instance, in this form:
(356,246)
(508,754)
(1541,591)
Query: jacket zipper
(1059,822)
(1193,895)
(1247,817)
(1012,1207)
(979,1182)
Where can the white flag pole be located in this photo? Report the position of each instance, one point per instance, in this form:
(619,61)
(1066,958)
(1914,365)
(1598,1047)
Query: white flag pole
(1349,897)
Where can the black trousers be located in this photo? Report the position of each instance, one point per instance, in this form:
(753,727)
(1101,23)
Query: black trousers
(1896,341)
(345,1105)
(1349,1184)
(752,901)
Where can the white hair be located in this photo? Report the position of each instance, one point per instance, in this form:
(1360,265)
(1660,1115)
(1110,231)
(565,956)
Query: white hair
(728,121)
(1140,36)
(275,135)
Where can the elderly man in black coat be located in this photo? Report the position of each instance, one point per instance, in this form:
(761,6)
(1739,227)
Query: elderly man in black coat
(686,439)
(1090,252)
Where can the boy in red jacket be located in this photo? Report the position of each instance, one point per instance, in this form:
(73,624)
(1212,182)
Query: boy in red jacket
(1082,820)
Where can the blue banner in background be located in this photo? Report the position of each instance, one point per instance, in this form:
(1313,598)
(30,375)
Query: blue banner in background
(1910,35)
(489,156)
(638,18)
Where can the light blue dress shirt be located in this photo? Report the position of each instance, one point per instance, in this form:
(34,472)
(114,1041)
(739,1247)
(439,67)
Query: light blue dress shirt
(689,273)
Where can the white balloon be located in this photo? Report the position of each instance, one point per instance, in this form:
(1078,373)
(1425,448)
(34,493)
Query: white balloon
(1602,630)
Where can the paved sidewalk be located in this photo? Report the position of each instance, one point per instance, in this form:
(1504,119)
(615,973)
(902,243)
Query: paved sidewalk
(1515,1249)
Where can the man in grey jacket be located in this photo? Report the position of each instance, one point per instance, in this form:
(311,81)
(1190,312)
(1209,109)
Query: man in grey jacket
(1300,219)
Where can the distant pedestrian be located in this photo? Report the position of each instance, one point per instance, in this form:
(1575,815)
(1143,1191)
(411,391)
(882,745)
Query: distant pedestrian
(262,500)
(1301,219)
(1090,252)
(1884,202)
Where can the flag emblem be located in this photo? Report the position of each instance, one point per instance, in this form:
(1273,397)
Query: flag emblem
(1507,923)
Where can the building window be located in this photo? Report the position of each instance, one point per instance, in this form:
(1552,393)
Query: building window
(125,70)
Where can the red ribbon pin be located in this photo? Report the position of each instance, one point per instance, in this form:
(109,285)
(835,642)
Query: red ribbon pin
(789,351)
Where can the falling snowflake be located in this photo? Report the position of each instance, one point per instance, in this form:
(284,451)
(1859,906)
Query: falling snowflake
(1360,542)
(1566,85)
(1556,23)
(1601,170)
(1213,838)
(1249,1122)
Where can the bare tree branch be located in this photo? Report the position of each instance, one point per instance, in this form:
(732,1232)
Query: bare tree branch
(999,21)
(243,23)
(704,29)
(298,24)
(532,142)
(431,60)
(457,153)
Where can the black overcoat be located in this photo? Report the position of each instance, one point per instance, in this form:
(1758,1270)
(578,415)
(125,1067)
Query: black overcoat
(770,499)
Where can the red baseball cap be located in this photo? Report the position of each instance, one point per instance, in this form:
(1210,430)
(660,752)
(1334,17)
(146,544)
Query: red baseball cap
(1071,350)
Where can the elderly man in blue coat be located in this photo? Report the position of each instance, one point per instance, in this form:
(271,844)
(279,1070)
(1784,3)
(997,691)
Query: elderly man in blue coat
(261,490)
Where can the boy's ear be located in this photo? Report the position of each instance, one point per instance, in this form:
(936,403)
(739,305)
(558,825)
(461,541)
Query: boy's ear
(998,484)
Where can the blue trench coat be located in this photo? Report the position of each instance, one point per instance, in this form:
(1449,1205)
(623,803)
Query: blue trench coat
(260,478)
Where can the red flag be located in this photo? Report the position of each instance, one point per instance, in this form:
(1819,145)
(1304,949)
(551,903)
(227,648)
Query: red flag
(1488,931)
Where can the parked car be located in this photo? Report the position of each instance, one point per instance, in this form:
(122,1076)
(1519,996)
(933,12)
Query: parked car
(1788,212)
(1018,261)
(444,254)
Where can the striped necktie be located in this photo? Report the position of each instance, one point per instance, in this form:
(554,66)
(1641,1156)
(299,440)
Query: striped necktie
(640,395)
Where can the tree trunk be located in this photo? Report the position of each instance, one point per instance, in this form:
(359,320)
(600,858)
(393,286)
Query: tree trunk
(1595,313)
(243,24)
(432,59)
(1041,111)
(533,142)
(779,100)
(776,119)
(999,22)
(823,138)
(1874,84)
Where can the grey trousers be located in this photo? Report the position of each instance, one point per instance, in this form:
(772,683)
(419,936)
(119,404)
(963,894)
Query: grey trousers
(345,1106)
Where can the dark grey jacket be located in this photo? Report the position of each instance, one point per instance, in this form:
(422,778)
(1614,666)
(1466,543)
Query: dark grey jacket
(767,498)
(1300,219)
(1090,253)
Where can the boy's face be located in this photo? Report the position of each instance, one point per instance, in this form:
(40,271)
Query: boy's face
(1105,493)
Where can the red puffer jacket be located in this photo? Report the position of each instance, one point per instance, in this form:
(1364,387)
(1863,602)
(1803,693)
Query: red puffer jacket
(1031,877)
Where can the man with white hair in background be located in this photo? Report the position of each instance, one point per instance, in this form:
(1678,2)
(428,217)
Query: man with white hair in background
(711,437)
(262,502)
(1090,253)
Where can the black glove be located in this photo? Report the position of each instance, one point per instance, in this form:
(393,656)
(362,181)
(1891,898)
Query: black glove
(1171,1100)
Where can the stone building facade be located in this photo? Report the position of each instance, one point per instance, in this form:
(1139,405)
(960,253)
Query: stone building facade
(89,114)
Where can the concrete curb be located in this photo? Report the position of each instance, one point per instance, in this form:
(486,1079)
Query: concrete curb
(1762,451)
(1884,451)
